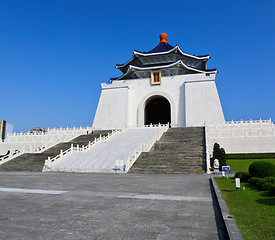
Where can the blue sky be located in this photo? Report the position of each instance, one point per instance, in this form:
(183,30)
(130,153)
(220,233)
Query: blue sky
(55,53)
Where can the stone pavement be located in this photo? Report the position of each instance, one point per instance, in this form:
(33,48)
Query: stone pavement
(105,206)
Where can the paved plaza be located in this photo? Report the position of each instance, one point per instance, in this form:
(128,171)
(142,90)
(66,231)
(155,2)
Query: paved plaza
(105,206)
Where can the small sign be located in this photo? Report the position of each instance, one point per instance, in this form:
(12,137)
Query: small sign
(225,168)
(237,183)
(116,169)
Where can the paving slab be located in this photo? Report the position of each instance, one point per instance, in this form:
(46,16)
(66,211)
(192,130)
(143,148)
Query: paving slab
(105,206)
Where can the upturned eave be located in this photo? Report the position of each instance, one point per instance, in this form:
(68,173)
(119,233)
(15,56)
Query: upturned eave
(176,48)
(178,63)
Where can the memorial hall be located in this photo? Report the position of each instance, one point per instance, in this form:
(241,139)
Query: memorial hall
(162,114)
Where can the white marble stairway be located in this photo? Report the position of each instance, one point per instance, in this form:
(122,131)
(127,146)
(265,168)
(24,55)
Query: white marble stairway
(112,154)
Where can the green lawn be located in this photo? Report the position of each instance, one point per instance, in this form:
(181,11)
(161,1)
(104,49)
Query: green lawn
(243,164)
(253,210)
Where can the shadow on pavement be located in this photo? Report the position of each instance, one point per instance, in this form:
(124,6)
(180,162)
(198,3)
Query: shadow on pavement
(221,229)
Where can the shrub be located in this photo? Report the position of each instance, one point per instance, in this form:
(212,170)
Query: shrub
(270,179)
(252,181)
(266,186)
(257,182)
(262,169)
(244,176)
(250,155)
(238,174)
(272,190)
(262,184)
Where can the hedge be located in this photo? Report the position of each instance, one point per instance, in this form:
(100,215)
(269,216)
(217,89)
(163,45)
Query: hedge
(262,169)
(270,179)
(244,176)
(263,185)
(250,156)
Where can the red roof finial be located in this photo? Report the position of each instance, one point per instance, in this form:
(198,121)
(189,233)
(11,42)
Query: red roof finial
(163,37)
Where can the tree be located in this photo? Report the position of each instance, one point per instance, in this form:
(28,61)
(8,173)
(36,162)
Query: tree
(218,153)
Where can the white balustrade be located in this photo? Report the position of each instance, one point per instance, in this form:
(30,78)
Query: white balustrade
(10,156)
(38,141)
(145,147)
(52,131)
(250,122)
(71,163)
(78,149)
(240,129)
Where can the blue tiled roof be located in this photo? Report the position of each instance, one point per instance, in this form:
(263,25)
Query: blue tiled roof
(114,78)
(161,47)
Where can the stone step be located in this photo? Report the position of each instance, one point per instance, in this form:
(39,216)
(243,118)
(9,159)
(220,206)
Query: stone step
(179,150)
(34,162)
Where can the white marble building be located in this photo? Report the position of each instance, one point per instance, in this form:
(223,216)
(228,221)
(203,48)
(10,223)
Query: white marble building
(168,85)
(162,85)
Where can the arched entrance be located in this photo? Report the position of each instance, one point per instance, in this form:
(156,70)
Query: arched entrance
(157,110)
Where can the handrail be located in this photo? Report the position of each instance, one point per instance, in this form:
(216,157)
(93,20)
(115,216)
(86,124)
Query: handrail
(48,162)
(144,147)
(10,156)
(207,155)
(38,149)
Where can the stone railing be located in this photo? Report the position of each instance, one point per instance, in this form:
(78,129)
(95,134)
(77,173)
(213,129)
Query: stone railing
(46,136)
(120,167)
(77,148)
(144,147)
(258,128)
(52,131)
(241,133)
(20,143)
(268,121)
(17,153)
(242,124)
(207,152)
(10,156)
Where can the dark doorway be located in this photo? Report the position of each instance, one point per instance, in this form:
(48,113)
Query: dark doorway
(157,110)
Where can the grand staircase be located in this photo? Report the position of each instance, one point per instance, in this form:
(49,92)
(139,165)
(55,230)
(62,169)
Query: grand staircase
(110,155)
(34,162)
(179,150)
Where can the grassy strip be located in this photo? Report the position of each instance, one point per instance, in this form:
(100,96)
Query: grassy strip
(250,156)
(243,165)
(253,210)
